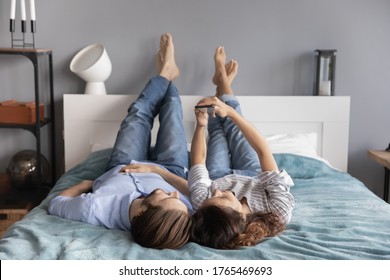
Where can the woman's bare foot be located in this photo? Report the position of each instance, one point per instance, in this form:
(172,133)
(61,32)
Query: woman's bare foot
(224,72)
(166,58)
(219,62)
(231,71)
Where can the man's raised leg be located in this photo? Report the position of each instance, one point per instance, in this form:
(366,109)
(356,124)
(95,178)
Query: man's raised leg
(133,139)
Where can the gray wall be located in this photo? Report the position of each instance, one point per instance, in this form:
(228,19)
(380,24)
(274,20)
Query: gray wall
(274,42)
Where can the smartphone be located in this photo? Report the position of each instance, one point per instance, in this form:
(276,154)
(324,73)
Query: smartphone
(206,108)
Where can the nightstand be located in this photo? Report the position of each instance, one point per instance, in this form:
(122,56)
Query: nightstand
(17,203)
(383,158)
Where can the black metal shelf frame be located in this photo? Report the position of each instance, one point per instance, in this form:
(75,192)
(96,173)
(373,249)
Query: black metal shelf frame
(35,56)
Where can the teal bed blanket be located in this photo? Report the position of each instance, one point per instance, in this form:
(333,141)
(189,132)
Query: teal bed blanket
(335,217)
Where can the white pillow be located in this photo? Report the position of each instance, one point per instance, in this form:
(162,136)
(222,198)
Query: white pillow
(304,144)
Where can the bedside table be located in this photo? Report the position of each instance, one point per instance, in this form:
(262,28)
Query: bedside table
(17,203)
(383,158)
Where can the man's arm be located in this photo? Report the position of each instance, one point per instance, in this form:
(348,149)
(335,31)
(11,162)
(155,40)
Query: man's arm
(82,187)
(70,204)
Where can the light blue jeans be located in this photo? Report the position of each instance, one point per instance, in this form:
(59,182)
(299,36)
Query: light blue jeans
(228,151)
(159,97)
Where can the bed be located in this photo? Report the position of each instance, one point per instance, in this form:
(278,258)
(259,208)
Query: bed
(335,217)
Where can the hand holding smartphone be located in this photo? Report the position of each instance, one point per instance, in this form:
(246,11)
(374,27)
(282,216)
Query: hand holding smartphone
(205,108)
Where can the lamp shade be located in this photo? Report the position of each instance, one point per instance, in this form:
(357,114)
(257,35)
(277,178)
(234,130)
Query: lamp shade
(93,65)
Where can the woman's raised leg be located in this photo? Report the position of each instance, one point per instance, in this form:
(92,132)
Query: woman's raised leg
(244,159)
(218,155)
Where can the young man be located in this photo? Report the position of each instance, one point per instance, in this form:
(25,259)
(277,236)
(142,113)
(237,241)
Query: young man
(144,190)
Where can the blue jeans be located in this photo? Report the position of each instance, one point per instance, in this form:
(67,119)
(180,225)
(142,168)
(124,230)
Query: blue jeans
(159,97)
(228,151)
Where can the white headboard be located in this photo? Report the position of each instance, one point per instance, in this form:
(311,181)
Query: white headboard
(93,119)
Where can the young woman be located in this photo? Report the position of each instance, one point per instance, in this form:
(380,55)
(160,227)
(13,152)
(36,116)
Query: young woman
(237,203)
(143,191)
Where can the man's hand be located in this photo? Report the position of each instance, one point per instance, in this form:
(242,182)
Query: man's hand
(141,168)
(84,186)
(179,183)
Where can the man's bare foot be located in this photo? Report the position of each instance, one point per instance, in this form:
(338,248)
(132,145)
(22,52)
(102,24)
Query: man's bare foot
(166,58)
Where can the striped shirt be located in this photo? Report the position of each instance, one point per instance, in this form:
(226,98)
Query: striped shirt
(267,192)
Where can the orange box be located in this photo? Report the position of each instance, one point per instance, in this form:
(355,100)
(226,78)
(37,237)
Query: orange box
(12,111)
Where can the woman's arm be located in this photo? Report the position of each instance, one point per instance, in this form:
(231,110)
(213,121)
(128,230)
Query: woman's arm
(256,140)
(84,186)
(252,135)
(198,144)
(178,182)
(281,201)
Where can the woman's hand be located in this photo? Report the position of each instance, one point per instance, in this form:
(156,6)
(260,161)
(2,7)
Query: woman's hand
(201,117)
(220,108)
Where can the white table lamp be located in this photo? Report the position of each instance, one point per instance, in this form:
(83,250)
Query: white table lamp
(93,65)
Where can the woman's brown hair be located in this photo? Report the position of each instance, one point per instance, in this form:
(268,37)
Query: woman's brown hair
(258,227)
(224,228)
(161,229)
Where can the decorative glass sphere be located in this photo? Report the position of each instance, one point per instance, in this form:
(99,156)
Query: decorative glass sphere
(23,169)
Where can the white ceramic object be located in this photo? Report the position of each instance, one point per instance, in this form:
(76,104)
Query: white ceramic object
(93,65)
